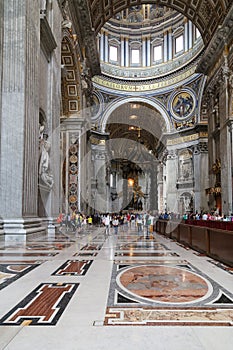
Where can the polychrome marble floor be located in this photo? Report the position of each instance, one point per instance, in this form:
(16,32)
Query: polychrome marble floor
(123,291)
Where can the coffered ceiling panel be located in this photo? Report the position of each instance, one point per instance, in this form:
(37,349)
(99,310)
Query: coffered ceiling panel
(207,15)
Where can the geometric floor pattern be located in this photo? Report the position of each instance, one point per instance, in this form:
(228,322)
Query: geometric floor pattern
(157,294)
(73,268)
(11,272)
(112,292)
(52,299)
(162,293)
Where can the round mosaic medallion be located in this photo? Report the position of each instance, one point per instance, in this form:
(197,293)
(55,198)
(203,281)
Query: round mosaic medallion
(73,158)
(182,105)
(73,198)
(73,149)
(163,284)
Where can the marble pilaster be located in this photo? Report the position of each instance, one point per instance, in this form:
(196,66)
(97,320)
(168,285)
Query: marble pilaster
(148,56)
(127,52)
(122,51)
(171,178)
(225,137)
(170,44)
(201,171)
(230,170)
(165,53)
(20,110)
(102,46)
(106,47)
(101,195)
(153,189)
(144,52)
(190,29)
(186,35)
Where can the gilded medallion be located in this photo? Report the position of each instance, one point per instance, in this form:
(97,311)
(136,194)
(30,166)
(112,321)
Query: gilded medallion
(182,105)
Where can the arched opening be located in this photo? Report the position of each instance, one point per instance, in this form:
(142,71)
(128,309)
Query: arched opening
(135,146)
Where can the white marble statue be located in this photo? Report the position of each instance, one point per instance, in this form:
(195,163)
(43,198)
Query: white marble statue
(44,172)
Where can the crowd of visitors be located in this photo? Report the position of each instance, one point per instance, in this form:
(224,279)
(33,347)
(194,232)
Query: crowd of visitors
(141,222)
(203,215)
(78,222)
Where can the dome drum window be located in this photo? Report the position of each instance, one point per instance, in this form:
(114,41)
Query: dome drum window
(135,54)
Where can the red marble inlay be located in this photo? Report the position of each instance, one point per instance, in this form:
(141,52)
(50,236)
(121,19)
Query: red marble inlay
(17,268)
(164,284)
(46,302)
(43,306)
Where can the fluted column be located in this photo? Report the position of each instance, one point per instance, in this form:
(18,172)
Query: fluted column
(20,110)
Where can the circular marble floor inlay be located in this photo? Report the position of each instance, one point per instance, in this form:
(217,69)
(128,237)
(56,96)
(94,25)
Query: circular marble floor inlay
(163,284)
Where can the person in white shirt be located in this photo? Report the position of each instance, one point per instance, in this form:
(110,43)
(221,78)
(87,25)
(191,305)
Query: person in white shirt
(139,223)
(204,216)
(115,224)
(106,222)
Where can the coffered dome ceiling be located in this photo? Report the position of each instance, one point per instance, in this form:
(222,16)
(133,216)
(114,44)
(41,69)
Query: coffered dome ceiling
(207,15)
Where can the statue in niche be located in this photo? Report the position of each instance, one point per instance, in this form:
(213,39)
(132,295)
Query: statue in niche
(186,203)
(46,177)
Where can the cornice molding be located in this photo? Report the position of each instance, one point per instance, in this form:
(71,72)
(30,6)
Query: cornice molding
(214,50)
(47,40)
(82,14)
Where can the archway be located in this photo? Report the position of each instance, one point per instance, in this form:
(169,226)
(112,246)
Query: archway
(136,143)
